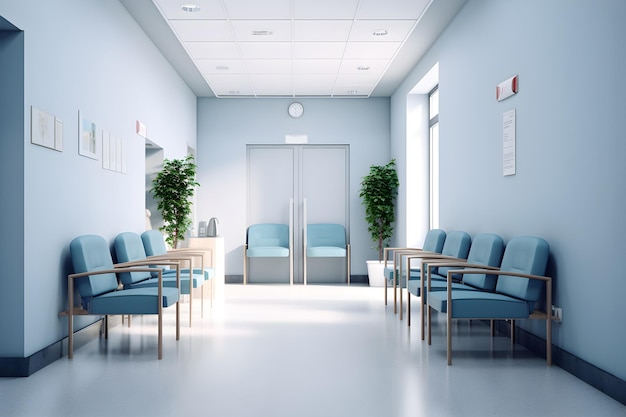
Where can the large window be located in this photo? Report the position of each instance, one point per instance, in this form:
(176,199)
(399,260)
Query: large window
(433,114)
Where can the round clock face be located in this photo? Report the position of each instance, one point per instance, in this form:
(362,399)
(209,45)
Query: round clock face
(296,110)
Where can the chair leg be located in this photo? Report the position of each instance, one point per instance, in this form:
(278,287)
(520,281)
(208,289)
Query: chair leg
(385,279)
(408,306)
(449,333)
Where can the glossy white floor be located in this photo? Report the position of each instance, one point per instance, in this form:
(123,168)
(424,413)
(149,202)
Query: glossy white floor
(320,351)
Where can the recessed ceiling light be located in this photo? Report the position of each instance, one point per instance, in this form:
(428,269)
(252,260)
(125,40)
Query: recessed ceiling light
(352,92)
(190,7)
(261,33)
(222,67)
(233,92)
(363,68)
(380,32)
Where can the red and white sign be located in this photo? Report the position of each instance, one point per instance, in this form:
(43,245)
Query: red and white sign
(507,88)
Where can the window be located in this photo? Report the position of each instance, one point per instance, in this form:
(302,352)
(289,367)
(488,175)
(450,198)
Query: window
(433,114)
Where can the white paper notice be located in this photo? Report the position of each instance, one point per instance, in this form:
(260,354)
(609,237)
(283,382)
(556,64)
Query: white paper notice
(508,143)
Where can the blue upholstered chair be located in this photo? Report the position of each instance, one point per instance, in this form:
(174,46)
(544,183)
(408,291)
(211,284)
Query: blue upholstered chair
(433,243)
(129,248)
(267,240)
(519,288)
(154,245)
(326,240)
(96,281)
(485,252)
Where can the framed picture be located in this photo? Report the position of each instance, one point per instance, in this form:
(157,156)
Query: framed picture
(45,130)
(87,139)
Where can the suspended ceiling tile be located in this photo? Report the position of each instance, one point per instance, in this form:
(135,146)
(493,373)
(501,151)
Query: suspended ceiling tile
(269,66)
(230,84)
(316,66)
(322,30)
(324,9)
(318,50)
(201,30)
(265,50)
(272,85)
(317,85)
(361,66)
(258,9)
(358,79)
(205,50)
(392,9)
(398,30)
(383,50)
(262,30)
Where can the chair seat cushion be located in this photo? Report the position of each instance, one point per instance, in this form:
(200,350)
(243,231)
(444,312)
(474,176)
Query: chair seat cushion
(326,252)
(268,252)
(480,305)
(132,301)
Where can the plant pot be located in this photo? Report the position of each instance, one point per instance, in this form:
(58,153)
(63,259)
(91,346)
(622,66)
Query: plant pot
(376,273)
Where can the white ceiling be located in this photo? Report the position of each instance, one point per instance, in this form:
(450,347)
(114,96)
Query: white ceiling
(293,48)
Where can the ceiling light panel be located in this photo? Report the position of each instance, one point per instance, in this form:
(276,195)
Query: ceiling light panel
(201,30)
(258,9)
(392,9)
(210,50)
(262,30)
(351,66)
(398,30)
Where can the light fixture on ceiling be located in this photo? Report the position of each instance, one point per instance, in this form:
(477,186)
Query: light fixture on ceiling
(190,7)
(261,33)
(380,32)
(363,68)
(222,68)
(352,92)
(233,92)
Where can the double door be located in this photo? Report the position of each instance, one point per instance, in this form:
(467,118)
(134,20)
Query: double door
(298,185)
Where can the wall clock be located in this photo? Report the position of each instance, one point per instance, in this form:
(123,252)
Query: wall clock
(296,109)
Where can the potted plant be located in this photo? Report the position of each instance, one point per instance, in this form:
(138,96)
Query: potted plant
(173,188)
(379,190)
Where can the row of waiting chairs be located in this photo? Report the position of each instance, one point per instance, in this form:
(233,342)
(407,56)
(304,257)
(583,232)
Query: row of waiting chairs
(477,278)
(146,279)
(271,240)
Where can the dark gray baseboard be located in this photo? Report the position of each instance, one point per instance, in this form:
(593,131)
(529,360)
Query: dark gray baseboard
(23,367)
(583,370)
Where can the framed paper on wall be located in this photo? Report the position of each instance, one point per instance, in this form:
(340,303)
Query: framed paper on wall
(87,139)
(46,130)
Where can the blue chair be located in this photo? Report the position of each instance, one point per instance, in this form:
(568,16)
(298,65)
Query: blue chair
(267,240)
(485,252)
(129,248)
(154,245)
(326,240)
(519,287)
(96,281)
(433,243)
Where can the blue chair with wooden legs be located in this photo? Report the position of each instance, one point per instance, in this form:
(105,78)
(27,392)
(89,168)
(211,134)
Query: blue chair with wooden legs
(433,243)
(455,247)
(96,281)
(129,248)
(326,240)
(154,245)
(267,240)
(485,252)
(519,289)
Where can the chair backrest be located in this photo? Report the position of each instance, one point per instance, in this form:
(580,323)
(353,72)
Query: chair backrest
(129,248)
(153,242)
(91,253)
(457,245)
(486,250)
(268,235)
(524,254)
(326,234)
(434,240)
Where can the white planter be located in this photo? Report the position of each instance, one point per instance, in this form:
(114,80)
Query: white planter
(376,273)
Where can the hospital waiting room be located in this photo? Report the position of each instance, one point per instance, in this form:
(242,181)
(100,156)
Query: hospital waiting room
(312,208)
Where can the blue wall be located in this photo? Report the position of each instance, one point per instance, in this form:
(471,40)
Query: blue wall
(92,57)
(570,146)
(225,126)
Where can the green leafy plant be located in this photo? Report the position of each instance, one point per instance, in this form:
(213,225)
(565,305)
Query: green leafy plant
(379,190)
(173,188)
